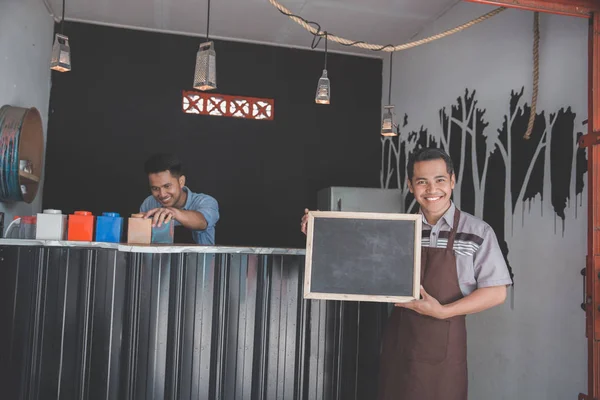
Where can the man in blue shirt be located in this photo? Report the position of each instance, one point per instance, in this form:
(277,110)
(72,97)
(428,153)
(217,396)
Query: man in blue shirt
(172,200)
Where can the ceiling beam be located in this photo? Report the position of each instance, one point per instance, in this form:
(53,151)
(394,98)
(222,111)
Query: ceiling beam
(575,8)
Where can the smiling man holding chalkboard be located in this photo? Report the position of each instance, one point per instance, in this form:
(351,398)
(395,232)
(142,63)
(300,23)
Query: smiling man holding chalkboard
(424,354)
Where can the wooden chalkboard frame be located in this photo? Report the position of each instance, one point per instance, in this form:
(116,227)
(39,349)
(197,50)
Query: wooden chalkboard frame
(312,215)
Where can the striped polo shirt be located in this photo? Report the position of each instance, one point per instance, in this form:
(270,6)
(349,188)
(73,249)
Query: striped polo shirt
(479,260)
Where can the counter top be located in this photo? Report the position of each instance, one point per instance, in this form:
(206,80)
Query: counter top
(154,248)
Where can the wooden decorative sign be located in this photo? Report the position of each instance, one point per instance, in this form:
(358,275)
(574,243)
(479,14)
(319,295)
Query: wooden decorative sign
(360,256)
(222,105)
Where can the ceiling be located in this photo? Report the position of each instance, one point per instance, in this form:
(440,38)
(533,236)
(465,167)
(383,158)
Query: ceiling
(373,21)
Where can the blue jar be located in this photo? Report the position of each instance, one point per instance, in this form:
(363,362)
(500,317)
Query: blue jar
(109,227)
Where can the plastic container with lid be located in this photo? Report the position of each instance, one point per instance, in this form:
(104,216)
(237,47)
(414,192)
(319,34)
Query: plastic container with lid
(81,226)
(109,227)
(51,225)
(28,227)
(21,228)
(139,230)
(164,234)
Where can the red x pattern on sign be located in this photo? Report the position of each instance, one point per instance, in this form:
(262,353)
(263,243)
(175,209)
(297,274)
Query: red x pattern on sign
(227,106)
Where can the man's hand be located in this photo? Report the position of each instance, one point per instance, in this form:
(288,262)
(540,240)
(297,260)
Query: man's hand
(428,305)
(162,215)
(304,221)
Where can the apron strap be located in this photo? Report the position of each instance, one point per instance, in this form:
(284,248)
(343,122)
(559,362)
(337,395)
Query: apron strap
(450,245)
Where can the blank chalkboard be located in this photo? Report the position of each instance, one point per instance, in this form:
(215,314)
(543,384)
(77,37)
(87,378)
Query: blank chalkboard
(363,256)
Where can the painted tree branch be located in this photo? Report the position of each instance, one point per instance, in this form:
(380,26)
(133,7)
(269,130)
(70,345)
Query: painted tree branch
(538,149)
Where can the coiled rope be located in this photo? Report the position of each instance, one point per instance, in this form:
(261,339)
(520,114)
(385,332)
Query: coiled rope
(11,120)
(536,73)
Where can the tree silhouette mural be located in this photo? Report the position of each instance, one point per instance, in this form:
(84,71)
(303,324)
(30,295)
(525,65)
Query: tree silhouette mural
(498,173)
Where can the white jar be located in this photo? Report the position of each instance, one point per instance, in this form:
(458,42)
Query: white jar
(51,225)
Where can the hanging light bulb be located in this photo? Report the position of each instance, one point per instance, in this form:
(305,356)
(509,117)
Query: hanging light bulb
(323,87)
(61,52)
(205,74)
(388,125)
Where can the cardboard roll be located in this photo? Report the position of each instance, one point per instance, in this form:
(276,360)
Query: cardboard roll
(21,138)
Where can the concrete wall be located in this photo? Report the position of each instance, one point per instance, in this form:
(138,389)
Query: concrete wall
(26,36)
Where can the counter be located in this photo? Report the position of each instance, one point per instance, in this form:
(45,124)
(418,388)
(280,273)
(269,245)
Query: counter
(88,320)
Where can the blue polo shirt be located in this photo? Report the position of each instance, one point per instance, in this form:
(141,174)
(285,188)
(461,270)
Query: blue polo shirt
(203,203)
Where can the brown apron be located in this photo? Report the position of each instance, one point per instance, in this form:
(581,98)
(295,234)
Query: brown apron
(425,358)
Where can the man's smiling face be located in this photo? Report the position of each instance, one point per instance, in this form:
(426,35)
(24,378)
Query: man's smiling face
(432,187)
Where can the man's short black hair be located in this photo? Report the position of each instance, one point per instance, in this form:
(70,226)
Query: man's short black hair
(427,154)
(164,162)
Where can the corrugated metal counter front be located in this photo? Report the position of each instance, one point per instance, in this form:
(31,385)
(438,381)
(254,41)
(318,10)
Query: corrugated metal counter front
(81,320)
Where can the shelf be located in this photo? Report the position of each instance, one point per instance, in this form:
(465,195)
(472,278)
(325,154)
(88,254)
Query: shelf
(28,178)
(31,147)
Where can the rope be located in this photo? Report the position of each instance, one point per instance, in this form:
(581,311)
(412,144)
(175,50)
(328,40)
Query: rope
(536,73)
(375,47)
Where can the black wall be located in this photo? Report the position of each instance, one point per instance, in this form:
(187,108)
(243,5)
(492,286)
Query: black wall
(122,102)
